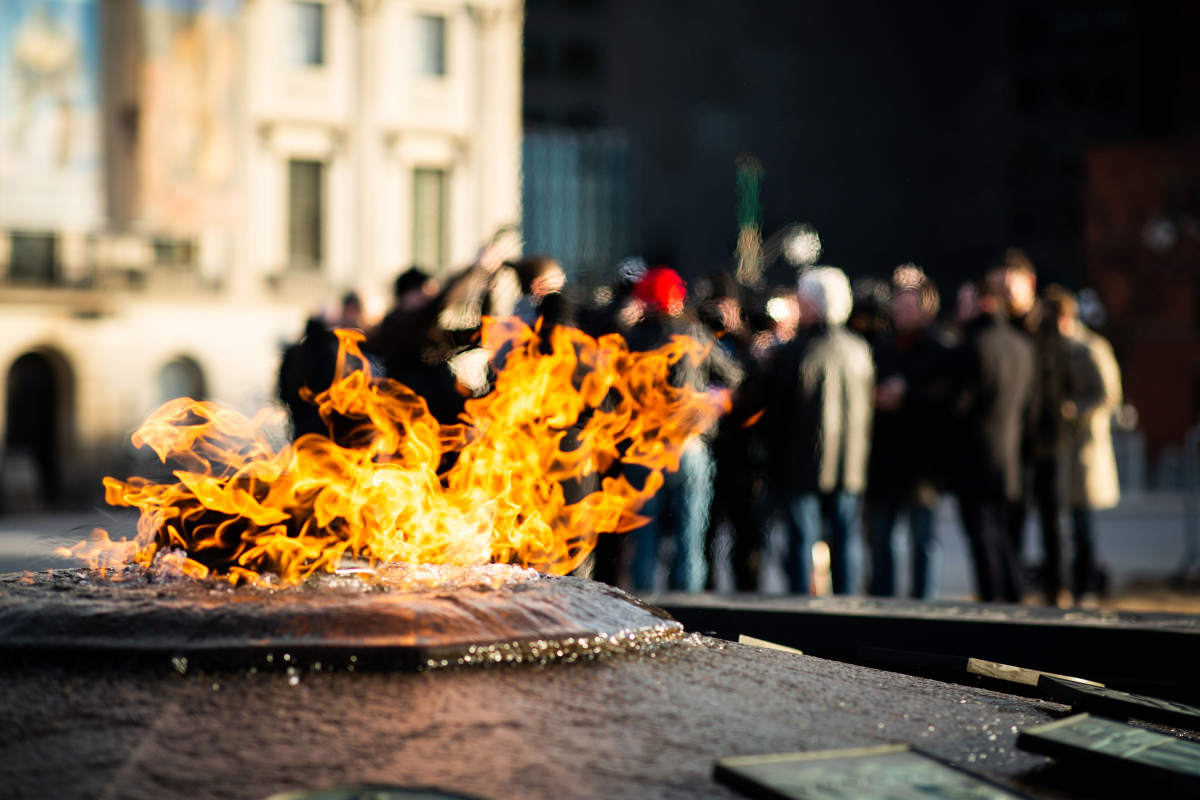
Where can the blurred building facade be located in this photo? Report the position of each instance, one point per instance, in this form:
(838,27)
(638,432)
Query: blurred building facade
(182,182)
(921,131)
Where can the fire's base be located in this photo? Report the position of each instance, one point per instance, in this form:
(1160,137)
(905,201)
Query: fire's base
(396,618)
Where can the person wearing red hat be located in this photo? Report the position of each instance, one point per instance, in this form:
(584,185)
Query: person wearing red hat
(662,294)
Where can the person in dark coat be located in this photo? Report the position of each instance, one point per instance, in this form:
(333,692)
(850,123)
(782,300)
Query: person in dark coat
(995,376)
(615,310)
(415,348)
(819,424)
(308,364)
(734,501)
(1044,438)
(911,405)
(542,305)
(311,364)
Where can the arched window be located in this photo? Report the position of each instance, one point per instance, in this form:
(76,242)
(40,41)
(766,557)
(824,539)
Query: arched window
(181,377)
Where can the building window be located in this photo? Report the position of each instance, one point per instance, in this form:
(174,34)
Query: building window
(305,217)
(308,34)
(429,219)
(431,45)
(33,258)
(180,378)
(179,253)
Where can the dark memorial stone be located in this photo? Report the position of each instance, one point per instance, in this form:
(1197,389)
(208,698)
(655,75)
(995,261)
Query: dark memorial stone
(891,772)
(207,720)
(1119,705)
(1095,743)
(644,725)
(1138,652)
(393,618)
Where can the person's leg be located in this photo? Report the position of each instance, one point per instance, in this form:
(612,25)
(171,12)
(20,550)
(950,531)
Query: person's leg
(743,504)
(1015,514)
(1045,487)
(845,555)
(645,547)
(883,556)
(926,553)
(972,510)
(721,509)
(804,516)
(1084,572)
(747,541)
(1008,565)
(693,501)
(646,538)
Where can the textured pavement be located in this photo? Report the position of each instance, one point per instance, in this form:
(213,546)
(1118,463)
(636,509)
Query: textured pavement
(638,726)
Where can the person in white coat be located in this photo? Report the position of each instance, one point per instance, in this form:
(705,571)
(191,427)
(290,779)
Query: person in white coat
(1090,466)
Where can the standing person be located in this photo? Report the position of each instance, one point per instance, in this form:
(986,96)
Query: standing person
(352,312)
(616,310)
(1094,396)
(994,376)
(687,493)
(819,419)
(542,280)
(911,396)
(309,364)
(1044,438)
(733,488)
(413,345)
(489,288)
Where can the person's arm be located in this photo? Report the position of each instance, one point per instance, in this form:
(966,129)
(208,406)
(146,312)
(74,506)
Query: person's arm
(1111,372)
(722,365)
(1101,390)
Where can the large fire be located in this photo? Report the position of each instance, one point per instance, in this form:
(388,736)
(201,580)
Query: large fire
(383,492)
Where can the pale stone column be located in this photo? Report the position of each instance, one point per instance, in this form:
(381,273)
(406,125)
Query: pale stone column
(496,146)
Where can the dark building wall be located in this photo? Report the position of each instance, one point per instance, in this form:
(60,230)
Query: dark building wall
(920,131)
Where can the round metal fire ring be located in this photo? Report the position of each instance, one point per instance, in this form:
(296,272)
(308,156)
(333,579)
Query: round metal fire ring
(395,617)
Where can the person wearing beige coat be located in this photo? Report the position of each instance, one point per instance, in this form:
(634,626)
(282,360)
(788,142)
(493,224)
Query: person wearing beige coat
(1090,465)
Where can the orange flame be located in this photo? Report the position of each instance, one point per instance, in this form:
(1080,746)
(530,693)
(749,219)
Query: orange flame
(242,507)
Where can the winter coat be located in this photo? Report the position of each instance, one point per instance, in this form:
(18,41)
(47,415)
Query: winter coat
(1044,439)
(819,409)
(718,367)
(995,375)
(908,443)
(1095,388)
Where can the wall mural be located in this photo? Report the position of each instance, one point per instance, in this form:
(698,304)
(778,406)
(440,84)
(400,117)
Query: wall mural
(188,155)
(50,159)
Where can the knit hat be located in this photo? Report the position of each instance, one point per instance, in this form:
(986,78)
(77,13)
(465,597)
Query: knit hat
(828,289)
(661,290)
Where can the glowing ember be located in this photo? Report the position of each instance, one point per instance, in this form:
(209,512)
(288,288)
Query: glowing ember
(242,507)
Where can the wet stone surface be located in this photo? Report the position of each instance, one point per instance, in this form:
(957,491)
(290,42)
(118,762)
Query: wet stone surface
(395,618)
(638,725)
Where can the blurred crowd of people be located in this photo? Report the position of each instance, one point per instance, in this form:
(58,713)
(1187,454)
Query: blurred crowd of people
(854,407)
